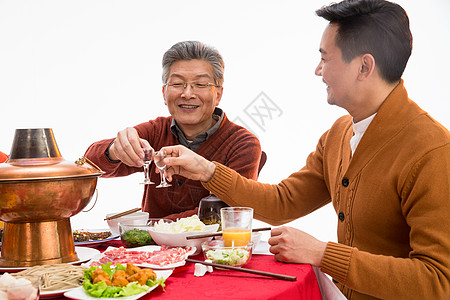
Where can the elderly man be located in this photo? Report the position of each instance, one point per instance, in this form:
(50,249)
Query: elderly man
(192,78)
(385,168)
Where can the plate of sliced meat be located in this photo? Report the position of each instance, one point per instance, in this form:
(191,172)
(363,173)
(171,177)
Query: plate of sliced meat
(155,257)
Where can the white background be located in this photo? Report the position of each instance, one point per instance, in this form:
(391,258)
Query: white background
(90,68)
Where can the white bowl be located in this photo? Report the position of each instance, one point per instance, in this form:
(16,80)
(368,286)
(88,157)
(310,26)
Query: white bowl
(136,218)
(179,239)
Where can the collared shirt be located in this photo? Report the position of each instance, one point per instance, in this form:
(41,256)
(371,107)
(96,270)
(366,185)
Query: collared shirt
(358,131)
(201,138)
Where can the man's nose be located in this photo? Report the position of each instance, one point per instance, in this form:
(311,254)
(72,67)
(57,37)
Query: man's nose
(318,70)
(188,91)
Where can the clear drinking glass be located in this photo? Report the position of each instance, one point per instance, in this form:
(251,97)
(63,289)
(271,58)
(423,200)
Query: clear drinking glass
(147,160)
(236,225)
(159,162)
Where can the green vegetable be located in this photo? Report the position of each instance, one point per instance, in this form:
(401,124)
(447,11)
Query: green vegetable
(101,290)
(136,238)
(231,257)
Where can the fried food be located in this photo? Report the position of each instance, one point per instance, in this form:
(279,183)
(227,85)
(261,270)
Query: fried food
(122,278)
(100,275)
(99,278)
(142,276)
(120,273)
(132,269)
(99,272)
(150,273)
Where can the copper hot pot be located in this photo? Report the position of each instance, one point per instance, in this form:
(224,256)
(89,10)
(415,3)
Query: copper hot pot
(39,192)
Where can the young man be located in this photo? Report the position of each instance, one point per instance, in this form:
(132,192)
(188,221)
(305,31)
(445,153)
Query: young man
(385,168)
(193,78)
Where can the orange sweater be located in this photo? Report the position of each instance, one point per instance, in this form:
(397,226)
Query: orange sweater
(231,145)
(392,200)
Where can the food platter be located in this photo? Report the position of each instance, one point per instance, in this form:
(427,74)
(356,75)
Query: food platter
(95,242)
(98,257)
(80,294)
(84,255)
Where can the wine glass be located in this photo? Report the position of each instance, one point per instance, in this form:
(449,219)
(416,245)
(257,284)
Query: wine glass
(147,160)
(159,162)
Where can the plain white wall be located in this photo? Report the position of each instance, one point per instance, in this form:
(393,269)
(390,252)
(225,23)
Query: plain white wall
(88,69)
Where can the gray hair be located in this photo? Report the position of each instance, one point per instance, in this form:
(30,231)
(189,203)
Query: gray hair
(189,50)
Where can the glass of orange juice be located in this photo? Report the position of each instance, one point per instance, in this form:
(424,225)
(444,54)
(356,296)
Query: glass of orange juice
(236,225)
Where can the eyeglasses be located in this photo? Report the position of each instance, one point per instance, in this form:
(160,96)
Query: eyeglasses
(196,86)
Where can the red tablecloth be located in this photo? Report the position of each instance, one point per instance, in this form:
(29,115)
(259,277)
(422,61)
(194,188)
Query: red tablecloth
(228,284)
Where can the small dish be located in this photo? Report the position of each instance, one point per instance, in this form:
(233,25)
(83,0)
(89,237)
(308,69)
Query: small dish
(133,235)
(94,243)
(139,218)
(236,256)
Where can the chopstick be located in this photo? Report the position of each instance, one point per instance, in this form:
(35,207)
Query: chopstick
(275,275)
(122,214)
(199,236)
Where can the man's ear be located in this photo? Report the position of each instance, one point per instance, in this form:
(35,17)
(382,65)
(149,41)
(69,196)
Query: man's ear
(367,66)
(219,94)
(164,94)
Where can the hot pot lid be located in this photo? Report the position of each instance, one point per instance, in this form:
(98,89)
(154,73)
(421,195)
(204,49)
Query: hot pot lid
(47,168)
(35,155)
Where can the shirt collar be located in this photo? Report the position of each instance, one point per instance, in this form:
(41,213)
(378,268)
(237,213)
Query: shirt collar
(362,125)
(178,133)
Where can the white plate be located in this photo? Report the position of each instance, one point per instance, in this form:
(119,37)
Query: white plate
(80,294)
(96,242)
(84,254)
(145,265)
(53,294)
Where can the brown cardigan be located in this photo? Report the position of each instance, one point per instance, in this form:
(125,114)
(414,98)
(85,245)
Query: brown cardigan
(231,145)
(392,200)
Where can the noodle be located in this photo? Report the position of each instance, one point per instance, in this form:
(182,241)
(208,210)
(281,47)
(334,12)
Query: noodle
(57,276)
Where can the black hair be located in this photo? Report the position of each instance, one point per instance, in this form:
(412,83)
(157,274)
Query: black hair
(377,27)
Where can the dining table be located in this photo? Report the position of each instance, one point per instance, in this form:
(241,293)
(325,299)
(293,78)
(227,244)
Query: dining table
(231,284)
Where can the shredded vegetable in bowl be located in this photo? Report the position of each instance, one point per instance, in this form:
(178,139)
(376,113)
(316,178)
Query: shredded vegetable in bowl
(182,225)
(231,257)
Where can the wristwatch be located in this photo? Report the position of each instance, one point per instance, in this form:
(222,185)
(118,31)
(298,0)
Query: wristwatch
(107,154)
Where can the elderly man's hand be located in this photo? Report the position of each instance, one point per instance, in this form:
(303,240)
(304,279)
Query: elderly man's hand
(295,246)
(182,161)
(128,148)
